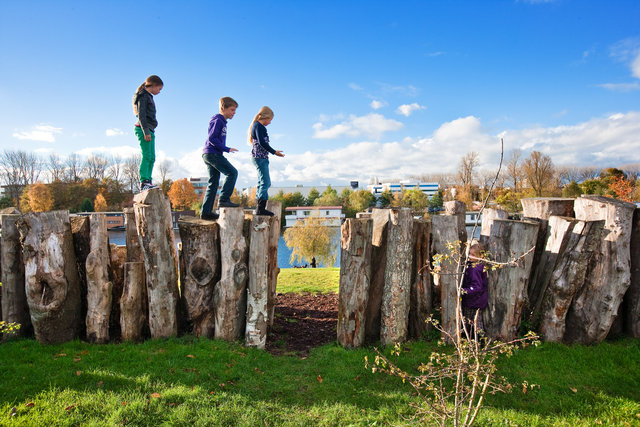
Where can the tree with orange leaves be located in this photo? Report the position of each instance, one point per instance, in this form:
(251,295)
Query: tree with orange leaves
(621,187)
(100,204)
(182,194)
(37,198)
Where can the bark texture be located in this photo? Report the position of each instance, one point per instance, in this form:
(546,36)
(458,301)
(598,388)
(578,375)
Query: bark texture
(258,290)
(134,250)
(380,221)
(274,239)
(632,298)
(81,231)
(421,301)
(14,299)
(458,209)
(154,225)
(99,287)
(52,283)
(353,296)
(118,258)
(488,216)
(133,303)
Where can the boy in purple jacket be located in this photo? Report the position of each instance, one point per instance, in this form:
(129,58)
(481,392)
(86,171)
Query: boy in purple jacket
(475,291)
(212,154)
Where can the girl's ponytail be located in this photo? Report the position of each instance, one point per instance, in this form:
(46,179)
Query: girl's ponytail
(264,113)
(152,80)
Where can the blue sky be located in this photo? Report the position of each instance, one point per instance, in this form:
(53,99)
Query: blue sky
(359,88)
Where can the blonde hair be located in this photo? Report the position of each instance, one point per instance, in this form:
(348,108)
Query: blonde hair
(226,102)
(264,113)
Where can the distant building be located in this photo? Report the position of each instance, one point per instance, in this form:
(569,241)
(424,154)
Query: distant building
(115,220)
(305,189)
(200,184)
(332,215)
(428,188)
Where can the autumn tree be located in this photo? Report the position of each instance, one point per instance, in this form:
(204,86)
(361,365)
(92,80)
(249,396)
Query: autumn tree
(358,201)
(513,170)
(466,168)
(37,198)
(56,168)
(622,188)
(96,166)
(100,204)
(415,199)
(539,171)
(312,238)
(17,170)
(182,194)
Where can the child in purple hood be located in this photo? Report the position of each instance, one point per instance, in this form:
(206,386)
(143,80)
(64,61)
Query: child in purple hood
(475,290)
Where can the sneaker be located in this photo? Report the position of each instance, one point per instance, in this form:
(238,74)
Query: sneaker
(147,185)
(210,217)
(227,204)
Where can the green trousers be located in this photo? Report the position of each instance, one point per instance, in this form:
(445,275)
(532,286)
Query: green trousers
(148,154)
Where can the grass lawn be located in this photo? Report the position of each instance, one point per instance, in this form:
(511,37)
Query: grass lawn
(308,280)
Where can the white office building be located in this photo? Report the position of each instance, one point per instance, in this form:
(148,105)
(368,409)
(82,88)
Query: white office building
(332,215)
(428,188)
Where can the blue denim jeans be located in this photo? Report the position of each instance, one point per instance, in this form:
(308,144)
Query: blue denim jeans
(264,180)
(217,164)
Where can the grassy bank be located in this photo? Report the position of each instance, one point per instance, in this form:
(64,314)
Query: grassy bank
(309,280)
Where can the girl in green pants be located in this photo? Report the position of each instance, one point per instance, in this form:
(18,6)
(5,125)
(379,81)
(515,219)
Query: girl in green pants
(145,110)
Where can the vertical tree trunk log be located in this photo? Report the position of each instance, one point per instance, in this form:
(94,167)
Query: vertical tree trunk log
(458,209)
(14,299)
(134,250)
(52,284)
(99,287)
(154,225)
(596,305)
(118,257)
(421,304)
(81,232)
(274,270)
(355,278)
(632,297)
(444,232)
(570,247)
(380,218)
(488,216)
(133,303)
(509,240)
(230,294)
(258,289)
(397,281)
(544,207)
(200,271)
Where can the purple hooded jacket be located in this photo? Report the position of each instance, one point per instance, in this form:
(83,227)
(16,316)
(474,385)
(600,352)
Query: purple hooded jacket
(476,286)
(216,143)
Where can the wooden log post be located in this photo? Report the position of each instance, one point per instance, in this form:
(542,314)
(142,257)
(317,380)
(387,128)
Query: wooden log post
(509,241)
(444,235)
(133,303)
(154,225)
(134,250)
(458,209)
(99,287)
(52,283)
(570,247)
(15,308)
(118,258)
(632,297)
(488,216)
(355,278)
(199,272)
(596,305)
(258,290)
(81,232)
(421,300)
(230,293)
(274,240)
(380,221)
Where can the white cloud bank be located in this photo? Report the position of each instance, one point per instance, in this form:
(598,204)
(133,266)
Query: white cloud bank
(376,105)
(44,133)
(407,109)
(371,126)
(114,132)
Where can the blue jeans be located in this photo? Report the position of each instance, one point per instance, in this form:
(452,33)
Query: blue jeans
(264,180)
(217,164)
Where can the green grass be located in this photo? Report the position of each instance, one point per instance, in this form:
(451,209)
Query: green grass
(312,280)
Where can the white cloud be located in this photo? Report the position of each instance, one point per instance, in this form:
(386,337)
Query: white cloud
(372,126)
(114,132)
(376,105)
(635,66)
(620,87)
(44,133)
(122,151)
(355,86)
(407,109)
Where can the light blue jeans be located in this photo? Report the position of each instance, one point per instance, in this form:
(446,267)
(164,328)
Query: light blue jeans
(264,180)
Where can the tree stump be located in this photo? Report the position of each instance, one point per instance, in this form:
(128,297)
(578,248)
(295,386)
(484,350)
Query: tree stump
(632,297)
(15,308)
(154,225)
(258,290)
(133,303)
(230,294)
(488,216)
(81,232)
(459,210)
(355,278)
(509,241)
(274,240)
(199,272)
(544,207)
(52,283)
(596,305)
(444,235)
(118,258)
(99,287)
(380,221)
(134,250)
(421,304)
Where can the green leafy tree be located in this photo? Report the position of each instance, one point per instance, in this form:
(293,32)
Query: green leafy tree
(313,195)
(358,201)
(594,186)
(6,202)
(86,205)
(436,200)
(510,201)
(312,238)
(386,198)
(572,189)
(415,199)
(329,197)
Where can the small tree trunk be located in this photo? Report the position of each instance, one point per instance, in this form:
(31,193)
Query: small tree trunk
(458,209)
(200,271)
(258,290)
(444,232)
(380,223)
(274,270)
(134,250)
(596,305)
(14,299)
(52,284)
(355,278)
(488,216)
(99,287)
(133,303)
(508,285)
(81,232)
(230,294)
(397,281)
(632,297)
(118,257)
(153,221)
(421,306)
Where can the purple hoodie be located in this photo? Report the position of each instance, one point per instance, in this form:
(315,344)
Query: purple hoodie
(216,143)
(475,284)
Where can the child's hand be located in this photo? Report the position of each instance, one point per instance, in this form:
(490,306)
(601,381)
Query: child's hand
(279,153)
(232,150)
(147,138)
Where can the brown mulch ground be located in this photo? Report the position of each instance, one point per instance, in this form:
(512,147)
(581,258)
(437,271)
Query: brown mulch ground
(302,321)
